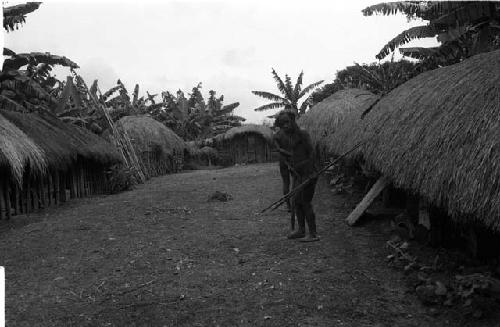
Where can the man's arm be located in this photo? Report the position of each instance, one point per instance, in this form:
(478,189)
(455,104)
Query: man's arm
(280,149)
(308,150)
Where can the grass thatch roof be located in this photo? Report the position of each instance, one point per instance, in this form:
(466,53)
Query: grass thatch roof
(17,151)
(62,143)
(334,122)
(149,135)
(438,134)
(264,131)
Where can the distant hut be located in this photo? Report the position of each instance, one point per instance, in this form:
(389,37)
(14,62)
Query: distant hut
(158,148)
(438,135)
(249,143)
(335,123)
(204,156)
(49,161)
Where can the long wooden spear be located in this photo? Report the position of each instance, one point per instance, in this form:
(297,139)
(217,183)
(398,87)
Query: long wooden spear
(278,203)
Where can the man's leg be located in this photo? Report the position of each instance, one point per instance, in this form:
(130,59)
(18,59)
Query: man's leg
(309,215)
(301,219)
(285,176)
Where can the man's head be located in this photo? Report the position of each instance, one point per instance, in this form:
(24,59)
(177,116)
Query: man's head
(285,120)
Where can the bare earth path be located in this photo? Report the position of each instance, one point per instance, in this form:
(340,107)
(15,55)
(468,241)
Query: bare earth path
(162,255)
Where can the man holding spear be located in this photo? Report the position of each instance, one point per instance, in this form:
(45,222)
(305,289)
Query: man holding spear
(299,153)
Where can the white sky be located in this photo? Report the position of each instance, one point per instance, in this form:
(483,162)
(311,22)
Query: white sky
(228,45)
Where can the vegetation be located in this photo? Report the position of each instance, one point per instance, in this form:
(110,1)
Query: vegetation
(464,28)
(378,78)
(25,80)
(290,94)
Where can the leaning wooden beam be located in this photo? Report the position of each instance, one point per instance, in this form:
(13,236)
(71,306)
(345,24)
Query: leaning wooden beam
(372,194)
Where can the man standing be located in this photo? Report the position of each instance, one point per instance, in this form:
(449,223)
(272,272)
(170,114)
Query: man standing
(282,143)
(297,150)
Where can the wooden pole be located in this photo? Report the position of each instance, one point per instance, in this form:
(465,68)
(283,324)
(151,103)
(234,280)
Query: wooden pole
(29,198)
(82,180)
(8,199)
(50,189)
(72,181)
(57,185)
(43,192)
(24,195)
(3,205)
(63,177)
(16,200)
(36,193)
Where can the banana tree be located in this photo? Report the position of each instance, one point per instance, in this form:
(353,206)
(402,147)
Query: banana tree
(290,94)
(464,28)
(26,83)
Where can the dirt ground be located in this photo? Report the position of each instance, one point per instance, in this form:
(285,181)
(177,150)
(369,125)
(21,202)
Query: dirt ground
(162,255)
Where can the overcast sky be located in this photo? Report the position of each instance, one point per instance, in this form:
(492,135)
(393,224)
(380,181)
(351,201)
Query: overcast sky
(228,45)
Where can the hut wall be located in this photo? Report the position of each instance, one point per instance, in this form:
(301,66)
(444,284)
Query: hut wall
(247,148)
(157,164)
(55,187)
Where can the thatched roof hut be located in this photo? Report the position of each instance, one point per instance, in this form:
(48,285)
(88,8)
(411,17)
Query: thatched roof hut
(264,131)
(62,144)
(335,122)
(438,135)
(250,143)
(18,151)
(149,135)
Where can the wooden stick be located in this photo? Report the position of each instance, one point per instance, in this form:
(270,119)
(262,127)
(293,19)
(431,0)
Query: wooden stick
(57,185)
(299,188)
(378,187)
(36,193)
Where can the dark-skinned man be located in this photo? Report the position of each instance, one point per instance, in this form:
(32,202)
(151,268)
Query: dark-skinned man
(282,143)
(298,151)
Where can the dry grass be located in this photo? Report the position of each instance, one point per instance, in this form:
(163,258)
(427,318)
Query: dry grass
(438,135)
(149,135)
(62,144)
(335,123)
(18,151)
(265,131)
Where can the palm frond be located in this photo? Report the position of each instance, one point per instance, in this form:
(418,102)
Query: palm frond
(228,108)
(273,105)
(269,96)
(279,82)
(298,86)
(135,94)
(289,88)
(8,52)
(304,105)
(404,37)
(419,52)
(412,9)
(35,58)
(309,88)
(16,15)
(462,13)
(110,92)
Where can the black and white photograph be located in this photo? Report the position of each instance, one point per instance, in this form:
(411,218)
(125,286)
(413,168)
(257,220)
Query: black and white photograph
(223,163)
